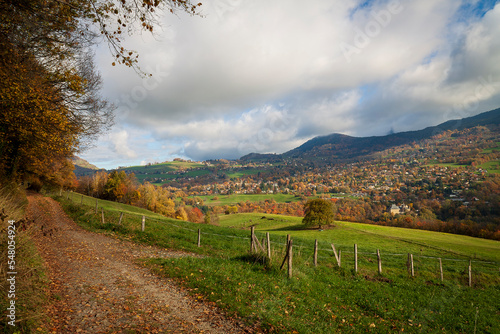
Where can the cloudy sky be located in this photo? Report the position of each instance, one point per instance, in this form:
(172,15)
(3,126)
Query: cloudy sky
(266,76)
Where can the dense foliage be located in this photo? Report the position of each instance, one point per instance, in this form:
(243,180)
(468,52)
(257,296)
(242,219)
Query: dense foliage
(318,212)
(50,105)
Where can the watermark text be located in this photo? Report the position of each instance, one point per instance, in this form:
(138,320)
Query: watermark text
(11,273)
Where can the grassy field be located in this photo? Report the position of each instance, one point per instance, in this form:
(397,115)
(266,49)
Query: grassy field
(492,149)
(236,198)
(245,171)
(326,298)
(190,173)
(451,165)
(164,167)
(491,166)
(372,237)
(174,169)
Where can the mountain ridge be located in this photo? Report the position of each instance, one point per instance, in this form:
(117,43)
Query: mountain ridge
(338,147)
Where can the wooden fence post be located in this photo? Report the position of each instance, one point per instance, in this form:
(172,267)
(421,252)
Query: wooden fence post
(143,225)
(316,252)
(379,260)
(411,269)
(287,248)
(408,264)
(252,246)
(337,257)
(96,206)
(257,245)
(102,215)
(199,238)
(290,256)
(441,269)
(120,220)
(355,258)
(470,273)
(268,245)
(81,201)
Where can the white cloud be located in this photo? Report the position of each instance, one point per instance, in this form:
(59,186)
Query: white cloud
(266,76)
(120,145)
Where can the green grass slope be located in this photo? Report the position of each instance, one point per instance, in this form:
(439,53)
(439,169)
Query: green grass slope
(325,298)
(372,237)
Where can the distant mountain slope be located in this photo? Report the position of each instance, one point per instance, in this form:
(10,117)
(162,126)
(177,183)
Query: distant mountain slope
(338,147)
(342,147)
(77,161)
(258,157)
(83,167)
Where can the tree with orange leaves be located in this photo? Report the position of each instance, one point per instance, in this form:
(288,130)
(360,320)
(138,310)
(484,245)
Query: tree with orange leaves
(50,105)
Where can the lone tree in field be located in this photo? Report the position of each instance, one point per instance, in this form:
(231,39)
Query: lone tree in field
(318,212)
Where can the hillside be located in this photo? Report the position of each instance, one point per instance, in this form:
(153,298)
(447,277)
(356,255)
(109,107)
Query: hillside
(83,167)
(342,148)
(161,172)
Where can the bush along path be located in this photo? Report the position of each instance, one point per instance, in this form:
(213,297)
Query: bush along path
(97,285)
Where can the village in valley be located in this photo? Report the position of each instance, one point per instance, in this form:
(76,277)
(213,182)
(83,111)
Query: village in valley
(448,182)
(249,167)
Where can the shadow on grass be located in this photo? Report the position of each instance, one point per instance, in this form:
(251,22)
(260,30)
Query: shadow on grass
(254,258)
(301,227)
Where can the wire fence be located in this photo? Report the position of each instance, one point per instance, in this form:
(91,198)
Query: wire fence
(341,256)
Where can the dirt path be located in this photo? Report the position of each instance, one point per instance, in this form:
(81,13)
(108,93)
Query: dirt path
(97,287)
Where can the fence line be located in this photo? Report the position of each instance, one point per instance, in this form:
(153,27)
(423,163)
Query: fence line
(303,246)
(287,244)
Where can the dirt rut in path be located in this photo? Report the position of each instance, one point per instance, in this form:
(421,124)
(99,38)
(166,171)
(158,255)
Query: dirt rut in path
(96,286)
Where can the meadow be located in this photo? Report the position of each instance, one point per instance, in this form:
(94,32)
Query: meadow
(216,200)
(163,167)
(325,298)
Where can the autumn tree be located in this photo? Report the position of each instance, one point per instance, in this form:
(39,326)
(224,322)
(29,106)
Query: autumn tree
(318,212)
(50,106)
(156,199)
(116,186)
(99,181)
(181,214)
(35,126)
(194,215)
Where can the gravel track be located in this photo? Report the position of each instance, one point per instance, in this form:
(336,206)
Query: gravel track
(98,286)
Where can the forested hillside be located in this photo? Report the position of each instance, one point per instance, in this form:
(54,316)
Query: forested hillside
(449,182)
(336,148)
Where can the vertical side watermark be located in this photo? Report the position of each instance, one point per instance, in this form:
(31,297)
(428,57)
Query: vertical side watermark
(11,273)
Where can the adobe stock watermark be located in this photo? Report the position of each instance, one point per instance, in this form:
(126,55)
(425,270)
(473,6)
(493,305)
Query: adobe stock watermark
(11,273)
(373,28)
(485,88)
(140,92)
